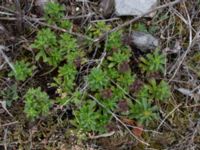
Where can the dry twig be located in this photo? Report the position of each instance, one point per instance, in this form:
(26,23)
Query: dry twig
(9,124)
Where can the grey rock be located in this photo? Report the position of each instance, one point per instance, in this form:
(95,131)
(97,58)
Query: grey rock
(142,41)
(134,7)
(83,1)
(40,5)
(107,7)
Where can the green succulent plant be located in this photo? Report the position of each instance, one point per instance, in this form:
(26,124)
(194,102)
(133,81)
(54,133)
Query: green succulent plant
(143,112)
(97,29)
(67,43)
(53,49)
(46,43)
(90,120)
(114,41)
(45,40)
(143,93)
(54,12)
(22,71)
(154,91)
(113,73)
(159,91)
(97,79)
(119,57)
(66,77)
(37,103)
(126,79)
(153,62)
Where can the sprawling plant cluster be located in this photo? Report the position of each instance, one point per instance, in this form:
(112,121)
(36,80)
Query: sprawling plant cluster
(84,86)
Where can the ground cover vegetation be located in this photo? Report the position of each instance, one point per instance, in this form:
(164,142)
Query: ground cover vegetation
(80,87)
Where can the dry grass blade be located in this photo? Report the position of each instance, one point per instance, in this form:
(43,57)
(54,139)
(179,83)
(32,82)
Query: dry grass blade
(6,58)
(168,116)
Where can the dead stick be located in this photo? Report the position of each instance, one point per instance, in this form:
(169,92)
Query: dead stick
(9,124)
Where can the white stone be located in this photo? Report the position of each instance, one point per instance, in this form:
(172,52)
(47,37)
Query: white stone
(134,7)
